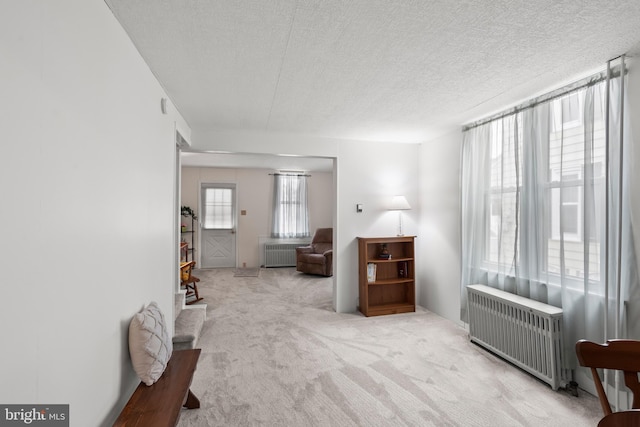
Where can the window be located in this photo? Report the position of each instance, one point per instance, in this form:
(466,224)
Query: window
(567,111)
(565,208)
(575,188)
(290,211)
(505,179)
(537,210)
(218,208)
(569,177)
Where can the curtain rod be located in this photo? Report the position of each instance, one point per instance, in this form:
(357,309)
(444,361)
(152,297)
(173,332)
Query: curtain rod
(573,87)
(289,174)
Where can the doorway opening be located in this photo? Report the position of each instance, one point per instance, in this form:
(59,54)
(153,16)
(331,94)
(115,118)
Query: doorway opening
(252,200)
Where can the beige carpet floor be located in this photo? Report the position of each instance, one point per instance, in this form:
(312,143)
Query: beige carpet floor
(274,353)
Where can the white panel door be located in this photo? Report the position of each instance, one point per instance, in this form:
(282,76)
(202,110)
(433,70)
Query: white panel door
(218,226)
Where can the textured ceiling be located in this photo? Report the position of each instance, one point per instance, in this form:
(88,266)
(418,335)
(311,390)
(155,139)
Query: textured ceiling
(368,69)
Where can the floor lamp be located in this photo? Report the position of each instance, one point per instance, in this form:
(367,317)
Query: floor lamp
(399,203)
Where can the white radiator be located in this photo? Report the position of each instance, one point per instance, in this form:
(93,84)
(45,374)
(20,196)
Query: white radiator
(280,254)
(527,333)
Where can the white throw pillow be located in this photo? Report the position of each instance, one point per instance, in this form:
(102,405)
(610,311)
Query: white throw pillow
(150,346)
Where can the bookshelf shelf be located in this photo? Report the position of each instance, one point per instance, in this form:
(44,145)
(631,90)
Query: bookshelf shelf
(389,282)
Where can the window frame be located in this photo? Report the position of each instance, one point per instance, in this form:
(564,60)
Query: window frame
(552,231)
(231,222)
(283,209)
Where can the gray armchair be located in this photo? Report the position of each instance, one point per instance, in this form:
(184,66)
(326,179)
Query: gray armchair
(317,258)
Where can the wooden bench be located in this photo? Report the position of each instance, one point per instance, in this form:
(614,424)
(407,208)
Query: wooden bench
(160,404)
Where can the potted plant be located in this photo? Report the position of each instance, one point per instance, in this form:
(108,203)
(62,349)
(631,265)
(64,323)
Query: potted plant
(187,211)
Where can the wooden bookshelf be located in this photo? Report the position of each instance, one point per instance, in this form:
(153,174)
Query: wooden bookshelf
(393,288)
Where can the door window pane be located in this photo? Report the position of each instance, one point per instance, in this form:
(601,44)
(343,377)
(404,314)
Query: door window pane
(218,208)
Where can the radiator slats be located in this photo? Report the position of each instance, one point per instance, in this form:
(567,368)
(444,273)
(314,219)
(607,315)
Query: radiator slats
(280,254)
(525,332)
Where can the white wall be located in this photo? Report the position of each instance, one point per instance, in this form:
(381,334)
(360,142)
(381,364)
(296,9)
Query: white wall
(371,173)
(439,262)
(257,142)
(87,219)
(255,196)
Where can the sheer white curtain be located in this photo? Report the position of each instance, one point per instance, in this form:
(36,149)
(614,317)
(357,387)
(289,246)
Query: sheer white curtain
(540,219)
(290,207)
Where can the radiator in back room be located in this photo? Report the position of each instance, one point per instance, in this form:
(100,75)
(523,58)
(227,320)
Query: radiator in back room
(280,254)
(527,333)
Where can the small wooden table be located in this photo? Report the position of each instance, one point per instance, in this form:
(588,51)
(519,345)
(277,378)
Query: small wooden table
(630,418)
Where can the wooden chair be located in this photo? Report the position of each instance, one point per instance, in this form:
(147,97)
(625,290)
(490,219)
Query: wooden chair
(622,355)
(184,251)
(189,281)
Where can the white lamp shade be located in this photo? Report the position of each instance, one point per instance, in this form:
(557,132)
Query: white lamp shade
(399,203)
